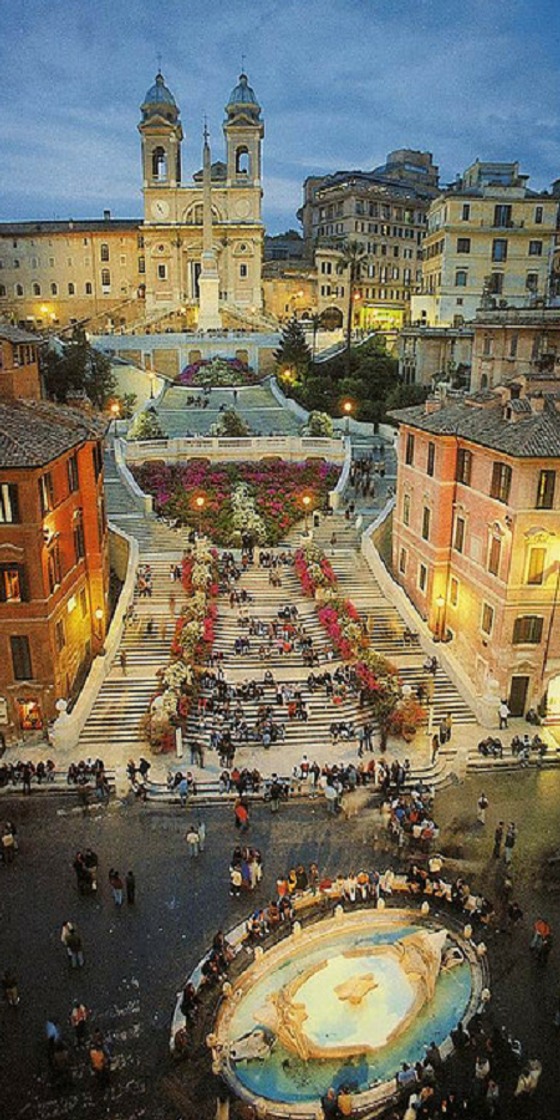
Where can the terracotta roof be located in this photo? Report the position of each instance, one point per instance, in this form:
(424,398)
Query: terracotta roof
(34,433)
(536,437)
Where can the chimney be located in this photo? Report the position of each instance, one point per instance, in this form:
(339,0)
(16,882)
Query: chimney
(433,404)
(107,215)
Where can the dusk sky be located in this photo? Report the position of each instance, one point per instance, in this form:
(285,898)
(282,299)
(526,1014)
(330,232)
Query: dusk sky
(341,83)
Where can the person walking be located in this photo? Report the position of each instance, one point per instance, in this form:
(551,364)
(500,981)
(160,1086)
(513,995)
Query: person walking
(274,794)
(130,888)
(435,748)
(75,948)
(201,829)
(442,731)
(481,807)
(511,837)
(448,726)
(123,661)
(117,886)
(333,542)
(498,837)
(191,836)
(10,988)
(241,815)
(503,712)
(79,1016)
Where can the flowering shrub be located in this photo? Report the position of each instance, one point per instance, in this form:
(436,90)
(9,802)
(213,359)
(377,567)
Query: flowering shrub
(192,642)
(270,494)
(313,570)
(217,372)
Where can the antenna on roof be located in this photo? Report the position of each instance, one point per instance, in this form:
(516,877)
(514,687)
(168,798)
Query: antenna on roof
(159,59)
(242,63)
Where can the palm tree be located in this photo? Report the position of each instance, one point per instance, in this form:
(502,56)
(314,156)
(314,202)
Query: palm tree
(315,321)
(352,254)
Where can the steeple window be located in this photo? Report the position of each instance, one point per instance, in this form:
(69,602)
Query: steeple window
(242,161)
(159,164)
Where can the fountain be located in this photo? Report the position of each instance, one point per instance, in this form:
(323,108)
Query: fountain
(346,1001)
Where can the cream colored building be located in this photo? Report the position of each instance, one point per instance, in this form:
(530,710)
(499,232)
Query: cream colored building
(444,353)
(487,234)
(515,341)
(58,273)
(386,211)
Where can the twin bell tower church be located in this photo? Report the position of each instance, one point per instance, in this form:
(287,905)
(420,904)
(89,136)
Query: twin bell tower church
(203,242)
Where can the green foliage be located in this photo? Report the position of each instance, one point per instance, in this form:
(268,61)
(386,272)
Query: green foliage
(127,404)
(320,424)
(293,353)
(75,365)
(230,423)
(403,396)
(146,426)
(373,374)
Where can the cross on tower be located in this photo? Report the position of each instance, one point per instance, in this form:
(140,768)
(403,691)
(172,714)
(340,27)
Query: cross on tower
(242,63)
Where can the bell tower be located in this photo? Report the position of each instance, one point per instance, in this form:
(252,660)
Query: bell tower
(243,131)
(161,132)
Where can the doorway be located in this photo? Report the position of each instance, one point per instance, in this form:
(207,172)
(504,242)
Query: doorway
(518,695)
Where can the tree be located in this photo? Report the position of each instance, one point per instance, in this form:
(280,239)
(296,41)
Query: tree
(320,424)
(352,253)
(230,423)
(293,352)
(316,322)
(73,366)
(146,426)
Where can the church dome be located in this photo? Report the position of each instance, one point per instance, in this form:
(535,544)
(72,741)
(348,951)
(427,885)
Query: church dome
(157,96)
(243,95)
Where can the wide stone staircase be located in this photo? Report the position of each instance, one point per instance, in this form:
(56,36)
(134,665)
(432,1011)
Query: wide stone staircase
(254,403)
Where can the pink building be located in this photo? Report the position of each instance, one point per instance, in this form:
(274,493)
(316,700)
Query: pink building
(476,534)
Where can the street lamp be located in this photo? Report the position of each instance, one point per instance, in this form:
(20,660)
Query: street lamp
(199,503)
(115,412)
(152,377)
(306,500)
(347,409)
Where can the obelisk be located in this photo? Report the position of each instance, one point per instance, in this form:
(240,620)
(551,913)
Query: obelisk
(208,281)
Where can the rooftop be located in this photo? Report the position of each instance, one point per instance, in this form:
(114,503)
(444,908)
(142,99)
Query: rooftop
(34,433)
(68,225)
(536,437)
(15,335)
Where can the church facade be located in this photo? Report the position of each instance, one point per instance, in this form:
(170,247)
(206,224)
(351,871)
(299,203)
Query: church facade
(116,273)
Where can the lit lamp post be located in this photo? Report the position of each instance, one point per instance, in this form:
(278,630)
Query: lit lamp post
(115,412)
(347,409)
(99,616)
(306,504)
(199,503)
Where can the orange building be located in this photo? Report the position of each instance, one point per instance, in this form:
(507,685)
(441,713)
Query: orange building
(54,561)
(476,534)
(19,364)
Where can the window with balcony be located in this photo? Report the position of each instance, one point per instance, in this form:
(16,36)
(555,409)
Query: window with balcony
(9,503)
(536,566)
(502,216)
(501,482)
(527,630)
(464,466)
(21,657)
(545,490)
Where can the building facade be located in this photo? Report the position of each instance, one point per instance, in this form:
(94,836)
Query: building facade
(54,558)
(514,341)
(443,353)
(488,234)
(386,211)
(125,273)
(476,535)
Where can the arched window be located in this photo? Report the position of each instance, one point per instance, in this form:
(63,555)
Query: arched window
(54,289)
(104,251)
(242,161)
(105,278)
(19,289)
(71,290)
(36,289)
(159,164)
